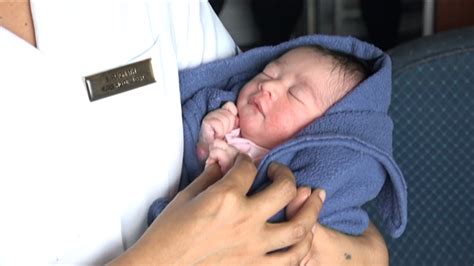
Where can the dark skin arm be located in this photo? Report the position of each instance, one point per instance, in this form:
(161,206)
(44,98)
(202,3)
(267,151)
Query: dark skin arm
(219,224)
(330,247)
(333,248)
(213,221)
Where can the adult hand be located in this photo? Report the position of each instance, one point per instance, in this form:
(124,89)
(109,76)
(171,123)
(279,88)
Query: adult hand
(214,221)
(330,247)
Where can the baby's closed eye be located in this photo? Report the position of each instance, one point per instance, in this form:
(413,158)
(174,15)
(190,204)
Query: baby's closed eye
(270,71)
(298,93)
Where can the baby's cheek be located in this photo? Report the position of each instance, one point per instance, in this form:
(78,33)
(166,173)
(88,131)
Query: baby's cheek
(253,128)
(280,130)
(248,127)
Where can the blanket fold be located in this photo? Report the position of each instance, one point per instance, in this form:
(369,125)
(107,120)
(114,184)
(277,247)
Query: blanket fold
(348,151)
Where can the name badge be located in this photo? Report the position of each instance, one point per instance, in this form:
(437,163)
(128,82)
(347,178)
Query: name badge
(120,79)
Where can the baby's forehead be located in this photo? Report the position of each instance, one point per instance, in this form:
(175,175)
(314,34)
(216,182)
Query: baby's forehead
(305,54)
(302,50)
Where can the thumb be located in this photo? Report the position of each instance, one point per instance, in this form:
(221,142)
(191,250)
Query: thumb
(209,176)
(202,151)
(230,106)
(207,134)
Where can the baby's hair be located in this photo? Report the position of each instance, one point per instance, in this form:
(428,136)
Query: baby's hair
(352,69)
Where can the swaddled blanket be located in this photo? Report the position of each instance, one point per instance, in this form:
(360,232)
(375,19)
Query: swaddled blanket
(347,151)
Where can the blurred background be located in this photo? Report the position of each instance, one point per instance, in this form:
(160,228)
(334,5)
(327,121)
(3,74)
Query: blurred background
(384,23)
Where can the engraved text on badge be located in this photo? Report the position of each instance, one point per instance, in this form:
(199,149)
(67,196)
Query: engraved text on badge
(119,79)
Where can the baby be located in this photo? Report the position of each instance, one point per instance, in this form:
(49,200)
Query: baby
(323,112)
(290,92)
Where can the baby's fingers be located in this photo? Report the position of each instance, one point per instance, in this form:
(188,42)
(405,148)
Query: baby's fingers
(222,153)
(230,106)
(202,150)
(221,122)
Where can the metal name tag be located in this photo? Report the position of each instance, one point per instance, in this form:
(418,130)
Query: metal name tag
(120,79)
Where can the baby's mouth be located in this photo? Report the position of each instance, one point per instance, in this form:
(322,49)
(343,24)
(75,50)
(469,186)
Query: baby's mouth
(256,104)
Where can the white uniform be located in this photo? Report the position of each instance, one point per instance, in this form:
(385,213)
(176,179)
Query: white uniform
(77,177)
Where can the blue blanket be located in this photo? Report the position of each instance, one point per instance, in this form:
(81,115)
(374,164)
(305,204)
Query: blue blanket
(348,151)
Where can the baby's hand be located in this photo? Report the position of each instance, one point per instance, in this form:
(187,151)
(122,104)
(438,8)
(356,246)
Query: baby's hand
(222,153)
(216,125)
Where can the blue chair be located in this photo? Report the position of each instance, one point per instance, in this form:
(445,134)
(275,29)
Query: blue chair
(433,112)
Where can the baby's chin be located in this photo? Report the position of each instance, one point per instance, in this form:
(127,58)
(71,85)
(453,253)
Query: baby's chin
(249,132)
(247,129)
(244,128)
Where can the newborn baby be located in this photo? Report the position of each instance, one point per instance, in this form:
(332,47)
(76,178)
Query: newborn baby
(290,92)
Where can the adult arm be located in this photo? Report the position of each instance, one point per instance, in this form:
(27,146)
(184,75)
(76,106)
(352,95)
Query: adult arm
(334,248)
(330,247)
(213,221)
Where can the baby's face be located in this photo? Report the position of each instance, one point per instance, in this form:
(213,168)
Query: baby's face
(285,97)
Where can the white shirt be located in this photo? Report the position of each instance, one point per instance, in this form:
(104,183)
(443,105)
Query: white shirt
(77,177)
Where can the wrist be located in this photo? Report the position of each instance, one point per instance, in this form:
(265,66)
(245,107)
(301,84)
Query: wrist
(341,249)
(376,244)
(149,251)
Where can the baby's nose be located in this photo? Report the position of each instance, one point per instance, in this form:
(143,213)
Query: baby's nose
(272,88)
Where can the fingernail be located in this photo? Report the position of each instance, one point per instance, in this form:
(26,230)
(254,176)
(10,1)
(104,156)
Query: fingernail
(272,167)
(322,195)
(313,229)
(306,191)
